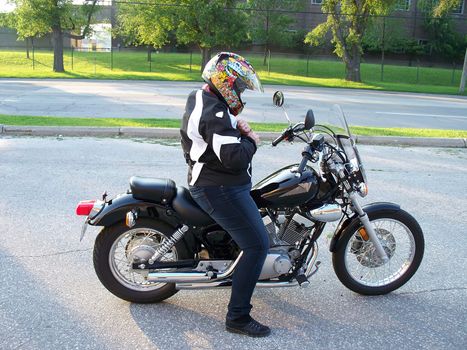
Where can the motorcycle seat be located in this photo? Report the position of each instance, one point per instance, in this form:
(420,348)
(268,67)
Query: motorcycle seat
(152,190)
(188,209)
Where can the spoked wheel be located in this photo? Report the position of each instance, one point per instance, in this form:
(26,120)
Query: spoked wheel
(359,267)
(118,246)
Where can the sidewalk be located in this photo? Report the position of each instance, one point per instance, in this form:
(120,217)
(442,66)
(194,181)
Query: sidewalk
(166,133)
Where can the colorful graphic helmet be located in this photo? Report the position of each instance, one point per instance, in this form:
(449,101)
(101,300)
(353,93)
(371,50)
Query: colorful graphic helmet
(230,74)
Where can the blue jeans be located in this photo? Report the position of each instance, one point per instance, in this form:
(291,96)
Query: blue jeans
(235,211)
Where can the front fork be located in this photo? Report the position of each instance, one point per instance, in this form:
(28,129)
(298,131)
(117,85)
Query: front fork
(370,230)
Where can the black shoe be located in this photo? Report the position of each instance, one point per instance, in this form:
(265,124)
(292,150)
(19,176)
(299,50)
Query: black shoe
(251,328)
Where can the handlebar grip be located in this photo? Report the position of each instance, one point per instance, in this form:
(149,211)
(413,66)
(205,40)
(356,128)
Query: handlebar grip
(278,140)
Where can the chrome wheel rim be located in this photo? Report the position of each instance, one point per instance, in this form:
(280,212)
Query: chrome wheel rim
(363,263)
(121,257)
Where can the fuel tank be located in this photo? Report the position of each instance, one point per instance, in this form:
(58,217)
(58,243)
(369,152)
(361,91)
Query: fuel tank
(287,188)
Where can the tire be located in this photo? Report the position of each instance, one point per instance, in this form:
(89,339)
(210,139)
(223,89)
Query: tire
(119,241)
(355,260)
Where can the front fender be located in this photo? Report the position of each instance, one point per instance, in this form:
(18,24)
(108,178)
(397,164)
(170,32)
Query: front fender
(369,209)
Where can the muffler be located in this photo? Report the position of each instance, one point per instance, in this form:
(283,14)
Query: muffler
(312,268)
(192,276)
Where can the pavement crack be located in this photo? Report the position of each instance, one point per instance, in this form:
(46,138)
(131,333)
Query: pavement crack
(433,290)
(45,255)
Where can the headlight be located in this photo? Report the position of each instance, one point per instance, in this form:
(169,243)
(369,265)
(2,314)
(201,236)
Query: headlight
(362,189)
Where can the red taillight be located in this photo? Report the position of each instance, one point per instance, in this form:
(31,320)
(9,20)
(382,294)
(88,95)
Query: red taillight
(84,207)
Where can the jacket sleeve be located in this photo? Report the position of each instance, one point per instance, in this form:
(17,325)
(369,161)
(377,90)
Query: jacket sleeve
(219,129)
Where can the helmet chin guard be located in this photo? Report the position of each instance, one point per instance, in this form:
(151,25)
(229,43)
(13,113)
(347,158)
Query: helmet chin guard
(229,75)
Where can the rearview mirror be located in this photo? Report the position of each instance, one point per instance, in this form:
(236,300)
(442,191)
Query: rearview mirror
(309,120)
(278,98)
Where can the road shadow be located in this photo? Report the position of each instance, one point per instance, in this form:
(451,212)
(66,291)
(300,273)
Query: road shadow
(305,318)
(32,317)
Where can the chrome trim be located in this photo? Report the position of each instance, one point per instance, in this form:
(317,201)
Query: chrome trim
(209,265)
(370,230)
(83,229)
(191,277)
(327,212)
(310,263)
(95,211)
(311,259)
(168,244)
(210,285)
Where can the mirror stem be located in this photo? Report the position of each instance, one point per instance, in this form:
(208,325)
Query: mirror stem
(287,116)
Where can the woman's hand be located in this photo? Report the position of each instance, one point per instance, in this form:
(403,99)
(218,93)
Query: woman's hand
(245,129)
(253,135)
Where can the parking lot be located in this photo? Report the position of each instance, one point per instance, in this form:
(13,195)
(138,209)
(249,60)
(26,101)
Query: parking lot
(50,297)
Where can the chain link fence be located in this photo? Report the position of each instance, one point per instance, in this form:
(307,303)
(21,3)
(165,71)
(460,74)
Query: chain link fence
(402,48)
(134,62)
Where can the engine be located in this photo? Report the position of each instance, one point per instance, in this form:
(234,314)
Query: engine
(284,234)
(289,230)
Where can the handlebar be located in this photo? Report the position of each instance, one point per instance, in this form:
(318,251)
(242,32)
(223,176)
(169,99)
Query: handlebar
(286,134)
(279,139)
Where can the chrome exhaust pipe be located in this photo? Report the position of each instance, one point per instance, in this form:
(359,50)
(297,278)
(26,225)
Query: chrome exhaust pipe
(311,260)
(192,277)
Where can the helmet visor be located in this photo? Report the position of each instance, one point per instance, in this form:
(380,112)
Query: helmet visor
(252,81)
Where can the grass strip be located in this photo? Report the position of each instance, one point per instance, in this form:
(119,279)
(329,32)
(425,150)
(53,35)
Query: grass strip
(175,123)
(176,67)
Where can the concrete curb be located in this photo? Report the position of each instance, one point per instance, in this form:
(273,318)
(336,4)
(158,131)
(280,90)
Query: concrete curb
(412,141)
(171,133)
(59,130)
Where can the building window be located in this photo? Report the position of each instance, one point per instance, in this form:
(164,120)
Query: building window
(403,5)
(316,2)
(459,9)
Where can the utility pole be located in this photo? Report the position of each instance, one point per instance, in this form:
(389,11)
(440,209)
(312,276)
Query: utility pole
(464,75)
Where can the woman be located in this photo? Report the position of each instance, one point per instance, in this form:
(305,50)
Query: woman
(219,148)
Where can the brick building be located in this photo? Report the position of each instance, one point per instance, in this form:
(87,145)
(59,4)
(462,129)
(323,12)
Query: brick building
(407,10)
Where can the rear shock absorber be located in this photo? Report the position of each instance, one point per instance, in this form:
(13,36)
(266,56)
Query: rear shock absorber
(168,244)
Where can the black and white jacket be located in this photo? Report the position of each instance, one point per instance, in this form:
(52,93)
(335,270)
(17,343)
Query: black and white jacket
(214,149)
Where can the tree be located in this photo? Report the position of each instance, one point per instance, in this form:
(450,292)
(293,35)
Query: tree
(442,37)
(58,17)
(441,8)
(348,20)
(269,26)
(148,23)
(205,23)
(210,23)
(390,34)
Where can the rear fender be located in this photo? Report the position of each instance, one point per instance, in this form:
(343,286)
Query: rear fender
(369,209)
(116,209)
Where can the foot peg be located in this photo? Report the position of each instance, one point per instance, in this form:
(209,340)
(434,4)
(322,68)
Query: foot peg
(302,280)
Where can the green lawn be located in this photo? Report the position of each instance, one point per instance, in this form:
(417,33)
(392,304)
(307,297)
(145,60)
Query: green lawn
(176,66)
(175,123)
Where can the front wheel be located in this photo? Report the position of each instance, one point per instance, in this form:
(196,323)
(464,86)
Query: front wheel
(357,264)
(117,247)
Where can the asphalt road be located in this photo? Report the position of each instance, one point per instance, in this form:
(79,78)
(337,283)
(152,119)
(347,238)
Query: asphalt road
(50,297)
(156,99)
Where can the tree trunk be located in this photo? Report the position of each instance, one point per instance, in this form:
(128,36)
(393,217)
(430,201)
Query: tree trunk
(205,57)
(27,48)
(266,49)
(352,66)
(57,37)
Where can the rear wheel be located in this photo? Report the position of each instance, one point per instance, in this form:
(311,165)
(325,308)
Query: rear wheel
(116,248)
(359,267)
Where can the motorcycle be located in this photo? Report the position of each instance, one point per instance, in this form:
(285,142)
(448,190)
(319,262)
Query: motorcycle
(156,241)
